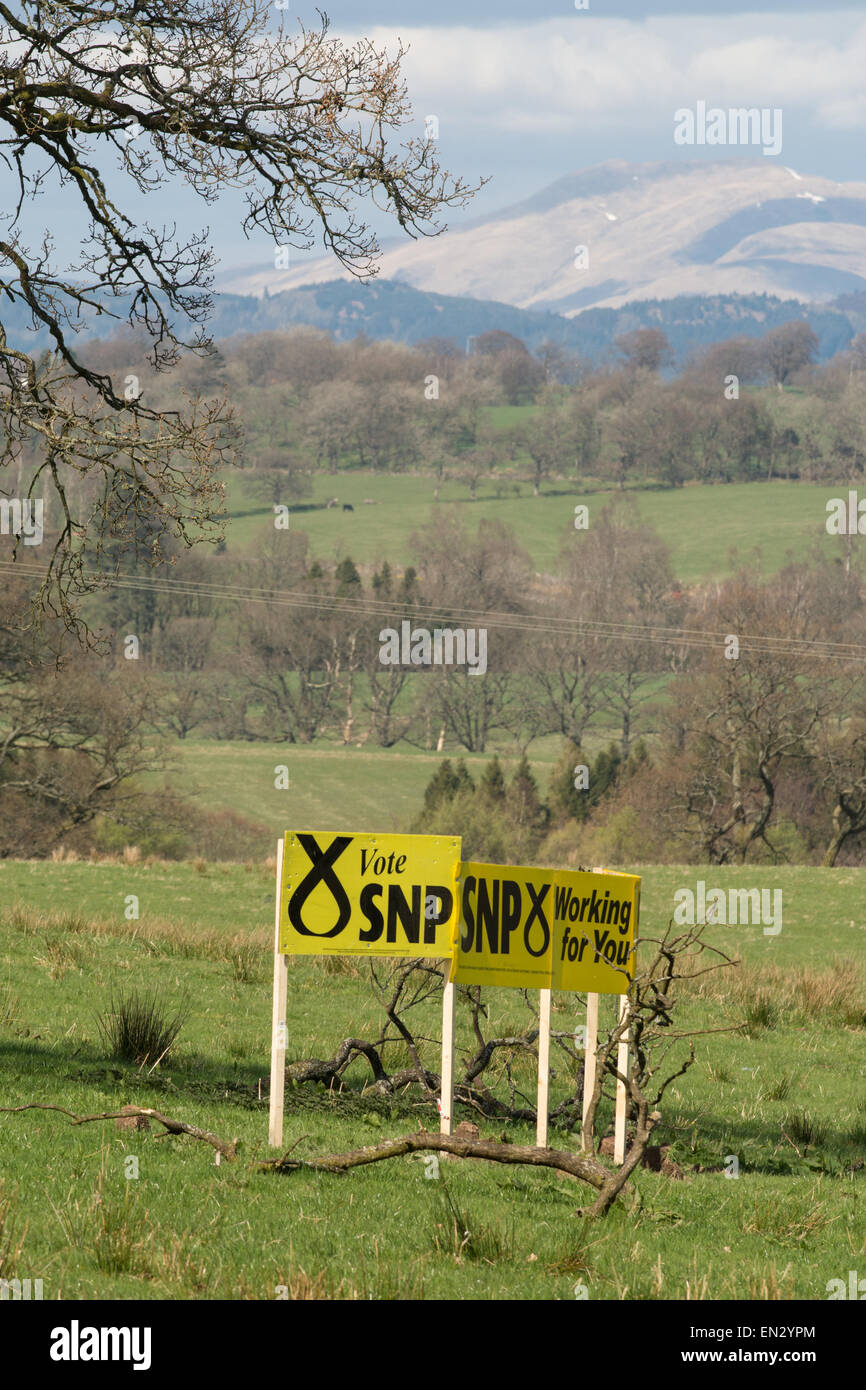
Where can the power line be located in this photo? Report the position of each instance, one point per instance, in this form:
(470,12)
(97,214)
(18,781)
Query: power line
(395,610)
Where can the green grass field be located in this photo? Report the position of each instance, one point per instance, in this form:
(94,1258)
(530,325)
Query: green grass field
(706,527)
(383,787)
(186,1228)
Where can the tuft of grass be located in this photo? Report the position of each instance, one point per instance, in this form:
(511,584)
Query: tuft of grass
(458,1234)
(761,1013)
(9,1005)
(11,1244)
(59,956)
(248,964)
(780,1088)
(804,1129)
(338,965)
(781,1219)
(138,1028)
(113,1230)
(720,1074)
(857,1135)
(391,1281)
(833,995)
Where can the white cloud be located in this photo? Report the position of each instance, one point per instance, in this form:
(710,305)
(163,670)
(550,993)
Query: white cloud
(557,74)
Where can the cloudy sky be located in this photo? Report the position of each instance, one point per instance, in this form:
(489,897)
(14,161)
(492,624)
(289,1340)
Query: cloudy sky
(528,90)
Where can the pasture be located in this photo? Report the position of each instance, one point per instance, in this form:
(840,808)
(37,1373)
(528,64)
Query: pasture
(708,528)
(786,1094)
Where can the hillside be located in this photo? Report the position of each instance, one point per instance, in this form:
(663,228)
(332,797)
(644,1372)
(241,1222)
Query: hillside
(653,231)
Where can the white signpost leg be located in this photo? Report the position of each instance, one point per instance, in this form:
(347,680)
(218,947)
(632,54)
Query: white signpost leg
(446,1102)
(544,998)
(622,1060)
(278,1022)
(589,1063)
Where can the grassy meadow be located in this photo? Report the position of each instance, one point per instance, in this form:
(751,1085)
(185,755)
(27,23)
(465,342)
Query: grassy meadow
(778,1082)
(707,527)
(785,1094)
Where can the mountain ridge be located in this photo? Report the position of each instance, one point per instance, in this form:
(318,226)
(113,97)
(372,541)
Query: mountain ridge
(618,232)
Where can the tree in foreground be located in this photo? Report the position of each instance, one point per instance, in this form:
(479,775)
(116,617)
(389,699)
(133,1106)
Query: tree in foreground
(110,101)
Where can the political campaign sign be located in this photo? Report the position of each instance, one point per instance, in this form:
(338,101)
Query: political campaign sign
(531,928)
(369,894)
(594,929)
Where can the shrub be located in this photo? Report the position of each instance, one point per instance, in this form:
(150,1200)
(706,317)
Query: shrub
(138,1028)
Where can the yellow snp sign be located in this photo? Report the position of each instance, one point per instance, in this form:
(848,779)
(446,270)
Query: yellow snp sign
(595,928)
(545,928)
(504,934)
(369,895)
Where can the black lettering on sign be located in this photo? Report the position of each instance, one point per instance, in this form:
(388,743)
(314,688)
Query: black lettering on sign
(321,872)
(371,912)
(488,914)
(445,898)
(512,908)
(467,936)
(410,917)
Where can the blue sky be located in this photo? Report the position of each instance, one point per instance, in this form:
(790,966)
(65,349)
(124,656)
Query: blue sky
(528,90)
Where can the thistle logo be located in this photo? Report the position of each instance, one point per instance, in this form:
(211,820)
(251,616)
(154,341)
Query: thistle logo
(321,872)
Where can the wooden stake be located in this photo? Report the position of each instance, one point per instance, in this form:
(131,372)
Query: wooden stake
(590,1058)
(589,1064)
(622,1060)
(544,998)
(446,1102)
(278,1022)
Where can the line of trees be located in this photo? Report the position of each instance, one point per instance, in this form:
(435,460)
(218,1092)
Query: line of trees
(742,410)
(752,756)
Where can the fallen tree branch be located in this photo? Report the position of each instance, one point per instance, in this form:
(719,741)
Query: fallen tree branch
(228,1150)
(582,1166)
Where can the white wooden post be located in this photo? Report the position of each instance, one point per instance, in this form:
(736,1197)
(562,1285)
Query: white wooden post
(544,999)
(446,1102)
(278,1022)
(589,1064)
(622,1062)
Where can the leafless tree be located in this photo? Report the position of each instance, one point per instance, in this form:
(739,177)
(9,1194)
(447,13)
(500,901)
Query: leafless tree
(208,95)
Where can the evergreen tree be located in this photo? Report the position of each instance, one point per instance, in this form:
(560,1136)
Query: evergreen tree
(441,788)
(463,778)
(605,770)
(523,801)
(408,591)
(491,788)
(638,758)
(382,581)
(348,580)
(565,800)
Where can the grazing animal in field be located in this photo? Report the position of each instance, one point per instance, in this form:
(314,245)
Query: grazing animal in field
(347,507)
(332,501)
(369,501)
